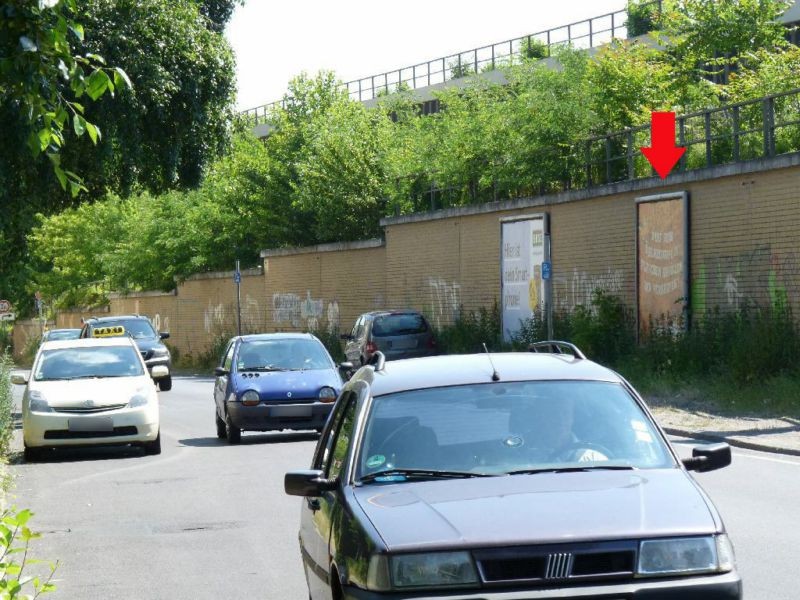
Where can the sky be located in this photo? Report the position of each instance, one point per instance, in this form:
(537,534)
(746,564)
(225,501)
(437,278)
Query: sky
(275,41)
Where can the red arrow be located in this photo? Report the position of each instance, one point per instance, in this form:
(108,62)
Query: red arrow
(662,153)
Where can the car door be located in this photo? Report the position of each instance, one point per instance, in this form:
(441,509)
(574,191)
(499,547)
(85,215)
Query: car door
(352,349)
(317,512)
(221,382)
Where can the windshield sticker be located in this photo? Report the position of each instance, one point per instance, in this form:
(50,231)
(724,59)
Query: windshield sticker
(376,460)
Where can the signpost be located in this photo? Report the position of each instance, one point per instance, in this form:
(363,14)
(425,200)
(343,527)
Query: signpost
(237,279)
(6,313)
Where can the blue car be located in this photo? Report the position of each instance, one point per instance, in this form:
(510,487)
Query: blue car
(274,381)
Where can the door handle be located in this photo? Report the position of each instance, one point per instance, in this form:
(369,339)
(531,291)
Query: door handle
(313,504)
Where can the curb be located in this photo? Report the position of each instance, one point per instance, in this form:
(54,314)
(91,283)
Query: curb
(733,441)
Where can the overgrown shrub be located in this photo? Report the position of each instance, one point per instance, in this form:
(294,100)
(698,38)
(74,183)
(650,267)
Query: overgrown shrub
(332,342)
(16,580)
(471,330)
(6,406)
(533,49)
(6,338)
(209,358)
(644,16)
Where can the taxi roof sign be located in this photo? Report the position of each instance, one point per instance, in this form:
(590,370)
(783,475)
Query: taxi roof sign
(112,331)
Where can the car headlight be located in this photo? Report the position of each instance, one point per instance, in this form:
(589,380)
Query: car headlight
(327,394)
(685,556)
(250,398)
(160,352)
(38,403)
(137,400)
(435,569)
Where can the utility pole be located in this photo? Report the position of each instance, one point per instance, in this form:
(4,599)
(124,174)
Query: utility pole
(237,278)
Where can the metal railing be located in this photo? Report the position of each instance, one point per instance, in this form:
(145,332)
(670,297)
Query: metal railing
(750,130)
(588,33)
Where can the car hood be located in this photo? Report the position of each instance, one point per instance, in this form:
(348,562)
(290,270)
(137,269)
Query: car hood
(102,392)
(533,509)
(278,385)
(145,344)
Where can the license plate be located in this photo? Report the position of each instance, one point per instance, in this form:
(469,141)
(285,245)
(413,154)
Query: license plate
(407,344)
(104,424)
(290,411)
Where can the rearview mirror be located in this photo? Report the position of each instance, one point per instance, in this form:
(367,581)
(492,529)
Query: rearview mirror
(346,370)
(708,458)
(220,372)
(307,483)
(163,335)
(159,372)
(19,379)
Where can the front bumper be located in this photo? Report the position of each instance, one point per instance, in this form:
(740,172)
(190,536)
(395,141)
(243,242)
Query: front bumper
(277,416)
(727,586)
(51,430)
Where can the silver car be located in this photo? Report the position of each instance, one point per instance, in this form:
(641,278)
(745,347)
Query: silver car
(395,333)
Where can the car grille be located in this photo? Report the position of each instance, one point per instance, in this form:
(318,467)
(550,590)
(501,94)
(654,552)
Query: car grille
(562,563)
(83,410)
(61,434)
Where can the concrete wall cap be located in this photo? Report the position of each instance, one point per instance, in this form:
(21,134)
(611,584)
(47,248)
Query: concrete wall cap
(334,247)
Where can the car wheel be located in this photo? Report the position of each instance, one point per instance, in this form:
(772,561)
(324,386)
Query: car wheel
(222,432)
(165,383)
(32,454)
(153,447)
(232,432)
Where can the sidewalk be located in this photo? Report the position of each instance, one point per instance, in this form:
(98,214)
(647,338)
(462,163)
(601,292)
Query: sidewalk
(781,435)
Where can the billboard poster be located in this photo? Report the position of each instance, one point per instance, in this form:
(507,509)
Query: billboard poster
(662,260)
(522,253)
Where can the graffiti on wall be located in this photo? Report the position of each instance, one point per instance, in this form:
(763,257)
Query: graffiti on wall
(445,300)
(305,312)
(160,323)
(578,289)
(214,318)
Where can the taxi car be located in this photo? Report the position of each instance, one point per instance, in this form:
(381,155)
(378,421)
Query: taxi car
(148,340)
(274,381)
(503,477)
(89,392)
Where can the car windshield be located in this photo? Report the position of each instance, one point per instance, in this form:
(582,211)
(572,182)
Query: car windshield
(136,328)
(399,324)
(288,354)
(62,334)
(96,361)
(506,428)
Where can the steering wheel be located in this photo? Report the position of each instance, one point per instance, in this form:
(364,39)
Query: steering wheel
(565,451)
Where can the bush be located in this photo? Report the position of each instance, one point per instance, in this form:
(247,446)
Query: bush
(533,49)
(6,337)
(643,17)
(6,406)
(15,539)
(332,342)
(471,330)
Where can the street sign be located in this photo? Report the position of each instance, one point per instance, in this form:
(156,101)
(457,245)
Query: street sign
(8,316)
(237,277)
(547,270)
(5,306)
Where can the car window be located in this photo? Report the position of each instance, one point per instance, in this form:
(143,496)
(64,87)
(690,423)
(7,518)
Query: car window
(503,427)
(399,324)
(136,328)
(79,363)
(326,441)
(228,361)
(62,334)
(293,354)
(340,440)
(358,328)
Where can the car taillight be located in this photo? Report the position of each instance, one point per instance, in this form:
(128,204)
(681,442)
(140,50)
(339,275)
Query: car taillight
(431,343)
(372,347)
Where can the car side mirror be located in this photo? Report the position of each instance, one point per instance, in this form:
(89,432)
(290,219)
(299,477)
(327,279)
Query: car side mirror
(346,370)
(708,458)
(221,371)
(159,372)
(309,483)
(164,335)
(19,379)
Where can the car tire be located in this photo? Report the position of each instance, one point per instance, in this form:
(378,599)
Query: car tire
(222,432)
(153,447)
(232,433)
(32,454)
(165,383)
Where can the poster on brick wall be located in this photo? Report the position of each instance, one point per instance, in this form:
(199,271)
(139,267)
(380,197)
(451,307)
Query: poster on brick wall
(522,252)
(662,259)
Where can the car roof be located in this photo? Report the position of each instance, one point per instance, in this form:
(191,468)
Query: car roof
(119,340)
(63,329)
(277,336)
(466,369)
(115,318)
(402,311)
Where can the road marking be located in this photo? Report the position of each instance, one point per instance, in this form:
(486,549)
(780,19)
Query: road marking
(767,458)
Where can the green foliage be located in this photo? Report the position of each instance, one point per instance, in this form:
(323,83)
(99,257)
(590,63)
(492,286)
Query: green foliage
(470,331)
(6,337)
(644,16)
(16,582)
(533,49)
(6,406)
(332,342)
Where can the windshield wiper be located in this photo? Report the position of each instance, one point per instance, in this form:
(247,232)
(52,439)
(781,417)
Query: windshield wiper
(421,474)
(265,368)
(571,469)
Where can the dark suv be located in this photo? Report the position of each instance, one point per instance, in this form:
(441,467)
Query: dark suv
(396,333)
(147,339)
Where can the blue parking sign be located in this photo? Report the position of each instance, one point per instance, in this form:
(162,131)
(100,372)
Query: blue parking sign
(237,277)
(547,270)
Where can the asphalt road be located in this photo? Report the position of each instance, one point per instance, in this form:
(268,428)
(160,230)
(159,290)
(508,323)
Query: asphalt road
(207,520)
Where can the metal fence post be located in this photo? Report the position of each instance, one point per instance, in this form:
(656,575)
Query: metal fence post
(629,155)
(707,123)
(736,134)
(682,141)
(588,163)
(476,59)
(768,111)
(591,44)
(608,159)
(493,57)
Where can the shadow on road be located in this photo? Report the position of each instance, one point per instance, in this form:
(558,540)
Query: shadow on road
(64,455)
(278,437)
